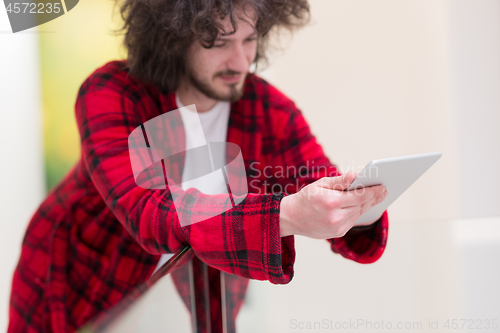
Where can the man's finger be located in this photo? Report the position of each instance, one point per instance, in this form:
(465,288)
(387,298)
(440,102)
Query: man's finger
(358,197)
(356,211)
(339,183)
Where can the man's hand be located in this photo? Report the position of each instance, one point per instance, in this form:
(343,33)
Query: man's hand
(323,210)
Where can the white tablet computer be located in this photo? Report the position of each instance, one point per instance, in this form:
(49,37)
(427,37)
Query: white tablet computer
(397,174)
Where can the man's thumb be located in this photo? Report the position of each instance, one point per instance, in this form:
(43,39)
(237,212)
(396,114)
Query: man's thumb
(339,183)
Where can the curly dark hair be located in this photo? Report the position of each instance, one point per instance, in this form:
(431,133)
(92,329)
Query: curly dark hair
(159,32)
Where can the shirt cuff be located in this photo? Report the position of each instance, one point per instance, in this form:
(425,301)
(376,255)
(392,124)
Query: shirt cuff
(364,245)
(281,250)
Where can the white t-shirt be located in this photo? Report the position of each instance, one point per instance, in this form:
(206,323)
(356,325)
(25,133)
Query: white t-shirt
(214,124)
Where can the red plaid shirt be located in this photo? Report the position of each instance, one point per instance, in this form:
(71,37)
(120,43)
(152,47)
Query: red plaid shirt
(97,234)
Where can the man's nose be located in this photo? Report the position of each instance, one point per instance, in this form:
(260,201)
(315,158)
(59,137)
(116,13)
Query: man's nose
(238,61)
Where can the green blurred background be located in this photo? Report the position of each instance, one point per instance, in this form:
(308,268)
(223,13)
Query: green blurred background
(72,47)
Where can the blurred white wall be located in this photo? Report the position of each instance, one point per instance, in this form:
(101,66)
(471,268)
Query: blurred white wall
(390,78)
(21,157)
(373,80)
(475,76)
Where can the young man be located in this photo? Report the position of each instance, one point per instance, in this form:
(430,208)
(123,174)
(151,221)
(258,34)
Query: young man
(98,234)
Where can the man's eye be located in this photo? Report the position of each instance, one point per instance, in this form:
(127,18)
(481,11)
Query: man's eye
(217,45)
(251,39)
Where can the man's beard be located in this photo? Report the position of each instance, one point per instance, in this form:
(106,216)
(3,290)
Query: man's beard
(205,88)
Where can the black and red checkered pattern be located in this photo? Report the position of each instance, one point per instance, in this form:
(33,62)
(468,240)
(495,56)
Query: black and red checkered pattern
(97,234)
